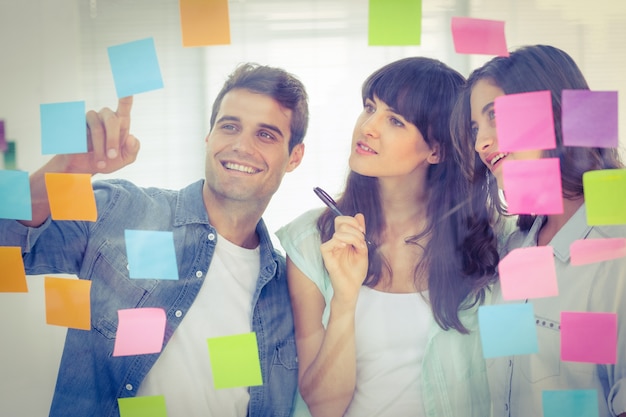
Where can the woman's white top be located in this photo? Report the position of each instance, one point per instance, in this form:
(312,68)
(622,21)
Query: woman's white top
(391,334)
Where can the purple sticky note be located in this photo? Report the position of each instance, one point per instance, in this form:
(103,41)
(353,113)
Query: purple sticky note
(589,337)
(525,121)
(478,36)
(533,186)
(3,139)
(528,273)
(139,331)
(586,251)
(589,118)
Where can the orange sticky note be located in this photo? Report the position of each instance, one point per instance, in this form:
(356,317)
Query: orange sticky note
(71,197)
(204,22)
(67,302)
(12,274)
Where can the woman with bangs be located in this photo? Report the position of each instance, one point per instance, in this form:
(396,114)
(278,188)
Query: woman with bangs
(384,300)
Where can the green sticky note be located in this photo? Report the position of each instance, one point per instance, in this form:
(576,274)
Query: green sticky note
(151,406)
(235,361)
(605,196)
(395,22)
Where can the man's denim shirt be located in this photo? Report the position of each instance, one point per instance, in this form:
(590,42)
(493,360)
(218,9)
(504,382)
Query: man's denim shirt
(90,379)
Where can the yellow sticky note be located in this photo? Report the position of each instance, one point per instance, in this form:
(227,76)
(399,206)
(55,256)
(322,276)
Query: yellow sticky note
(204,22)
(235,361)
(605,196)
(67,302)
(71,197)
(149,406)
(12,274)
(395,22)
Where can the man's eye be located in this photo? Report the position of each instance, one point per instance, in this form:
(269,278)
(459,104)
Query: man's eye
(267,135)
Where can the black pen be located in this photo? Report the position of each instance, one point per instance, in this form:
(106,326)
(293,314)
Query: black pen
(332,205)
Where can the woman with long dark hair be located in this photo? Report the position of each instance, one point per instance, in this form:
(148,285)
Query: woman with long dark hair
(385,308)
(519,382)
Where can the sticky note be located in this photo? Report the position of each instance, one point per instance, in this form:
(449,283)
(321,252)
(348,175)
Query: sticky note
(12,275)
(10,155)
(589,337)
(394,22)
(589,118)
(67,302)
(139,331)
(15,202)
(135,67)
(570,403)
(149,406)
(71,197)
(528,273)
(507,329)
(478,36)
(235,361)
(605,196)
(3,138)
(533,130)
(586,251)
(63,128)
(204,22)
(533,186)
(151,254)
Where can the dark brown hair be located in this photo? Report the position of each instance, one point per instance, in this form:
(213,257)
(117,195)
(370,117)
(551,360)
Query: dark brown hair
(530,68)
(276,83)
(423,91)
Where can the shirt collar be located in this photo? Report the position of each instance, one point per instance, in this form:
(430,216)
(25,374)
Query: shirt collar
(575,228)
(190,205)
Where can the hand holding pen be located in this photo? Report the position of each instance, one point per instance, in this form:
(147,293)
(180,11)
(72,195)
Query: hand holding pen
(332,205)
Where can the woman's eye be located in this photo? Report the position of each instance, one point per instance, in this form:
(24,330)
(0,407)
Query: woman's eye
(491,114)
(474,132)
(397,122)
(368,108)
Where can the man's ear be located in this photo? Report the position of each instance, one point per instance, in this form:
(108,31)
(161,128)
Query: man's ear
(295,157)
(435,156)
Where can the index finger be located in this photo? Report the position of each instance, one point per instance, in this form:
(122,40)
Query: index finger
(124,106)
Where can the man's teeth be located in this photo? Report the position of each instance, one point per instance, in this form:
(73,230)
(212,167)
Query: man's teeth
(497,158)
(241,168)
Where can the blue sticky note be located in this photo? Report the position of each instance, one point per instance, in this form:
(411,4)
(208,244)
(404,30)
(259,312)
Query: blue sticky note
(571,403)
(15,200)
(151,254)
(507,329)
(63,128)
(135,67)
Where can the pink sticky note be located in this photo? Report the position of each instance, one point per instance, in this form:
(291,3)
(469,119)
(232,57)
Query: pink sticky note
(528,273)
(589,118)
(589,337)
(478,36)
(525,121)
(533,186)
(586,251)
(139,331)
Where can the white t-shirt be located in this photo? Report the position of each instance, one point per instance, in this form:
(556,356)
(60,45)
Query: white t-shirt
(391,335)
(182,373)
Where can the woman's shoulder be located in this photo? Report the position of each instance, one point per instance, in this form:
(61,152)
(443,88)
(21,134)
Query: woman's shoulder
(304,224)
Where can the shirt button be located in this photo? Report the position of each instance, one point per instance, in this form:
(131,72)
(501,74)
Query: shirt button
(199,274)
(178,313)
(129,387)
(211,236)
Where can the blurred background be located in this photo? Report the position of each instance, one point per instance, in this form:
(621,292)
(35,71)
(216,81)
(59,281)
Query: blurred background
(56,51)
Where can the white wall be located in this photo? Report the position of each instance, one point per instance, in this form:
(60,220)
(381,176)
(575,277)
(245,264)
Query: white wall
(55,50)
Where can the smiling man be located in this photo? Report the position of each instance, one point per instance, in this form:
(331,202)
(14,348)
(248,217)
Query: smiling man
(231,280)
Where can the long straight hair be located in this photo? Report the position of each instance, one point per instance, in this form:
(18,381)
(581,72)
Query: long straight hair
(423,91)
(530,68)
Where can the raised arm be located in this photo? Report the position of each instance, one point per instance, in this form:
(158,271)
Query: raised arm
(110,148)
(327,357)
